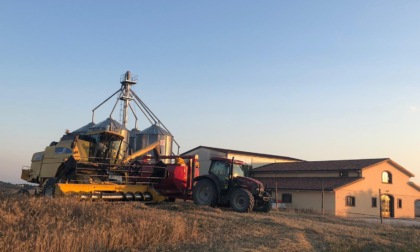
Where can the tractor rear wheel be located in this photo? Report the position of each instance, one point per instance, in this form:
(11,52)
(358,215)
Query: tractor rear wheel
(204,193)
(242,200)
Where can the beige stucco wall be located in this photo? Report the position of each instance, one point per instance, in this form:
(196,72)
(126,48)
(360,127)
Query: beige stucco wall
(256,161)
(204,156)
(368,187)
(309,200)
(304,175)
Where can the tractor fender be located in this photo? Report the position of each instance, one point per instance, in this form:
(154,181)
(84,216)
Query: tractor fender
(213,179)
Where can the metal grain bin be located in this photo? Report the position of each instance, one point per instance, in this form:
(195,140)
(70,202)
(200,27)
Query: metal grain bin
(152,134)
(133,143)
(84,129)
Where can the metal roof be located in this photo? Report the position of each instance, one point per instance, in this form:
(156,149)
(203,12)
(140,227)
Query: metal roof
(134,132)
(108,124)
(228,151)
(332,165)
(85,128)
(155,130)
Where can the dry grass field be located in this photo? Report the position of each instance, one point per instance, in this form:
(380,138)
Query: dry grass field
(67,224)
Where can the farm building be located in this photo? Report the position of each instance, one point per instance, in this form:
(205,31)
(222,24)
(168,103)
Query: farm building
(251,158)
(344,187)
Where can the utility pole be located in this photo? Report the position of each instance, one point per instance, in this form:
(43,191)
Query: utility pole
(322,198)
(380,205)
(277,199)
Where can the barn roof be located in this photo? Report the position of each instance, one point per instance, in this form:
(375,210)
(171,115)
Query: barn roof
(327,166)
(332,165)
(229,151)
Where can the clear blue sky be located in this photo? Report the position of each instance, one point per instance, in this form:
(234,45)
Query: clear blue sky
(316,80)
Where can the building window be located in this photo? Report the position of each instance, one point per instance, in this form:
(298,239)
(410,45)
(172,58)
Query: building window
(386,177)
(350,201)
(62,150)
(286,198)
(399,203)
(344,174)
(374,202)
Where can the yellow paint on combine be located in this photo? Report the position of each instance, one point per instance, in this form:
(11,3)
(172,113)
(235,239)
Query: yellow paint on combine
(69,189)
(81,151)
(141,152)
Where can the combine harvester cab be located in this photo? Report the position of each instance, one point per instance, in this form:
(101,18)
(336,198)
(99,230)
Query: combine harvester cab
(94,161)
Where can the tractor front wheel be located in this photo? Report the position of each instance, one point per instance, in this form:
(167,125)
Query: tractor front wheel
(264,206)
(242,200)
(204,193)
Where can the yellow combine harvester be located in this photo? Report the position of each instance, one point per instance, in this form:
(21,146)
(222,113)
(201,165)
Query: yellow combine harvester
(94,161)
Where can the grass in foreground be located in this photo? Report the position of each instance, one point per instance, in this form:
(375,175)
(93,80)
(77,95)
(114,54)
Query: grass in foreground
(67,224)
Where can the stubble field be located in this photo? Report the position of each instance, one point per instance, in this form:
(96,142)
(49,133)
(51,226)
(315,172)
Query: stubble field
(68,224)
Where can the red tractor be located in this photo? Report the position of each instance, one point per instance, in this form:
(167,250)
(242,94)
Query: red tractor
(227,184)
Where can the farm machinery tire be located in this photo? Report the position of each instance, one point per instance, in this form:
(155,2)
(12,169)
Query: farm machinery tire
(264,206)
(242,200)
(48,189)
(204,193)
(23,192)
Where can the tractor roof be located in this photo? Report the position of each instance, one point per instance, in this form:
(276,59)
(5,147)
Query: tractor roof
(235,161)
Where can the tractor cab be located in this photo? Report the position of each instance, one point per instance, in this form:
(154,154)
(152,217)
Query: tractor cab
(225,170)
